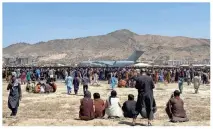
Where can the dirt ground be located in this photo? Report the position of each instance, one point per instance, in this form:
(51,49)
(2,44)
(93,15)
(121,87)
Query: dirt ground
(60,109)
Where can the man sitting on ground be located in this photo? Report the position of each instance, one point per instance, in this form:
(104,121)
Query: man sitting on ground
(129,107)
(87,107)
(30,87)
(99,106)
(175,108)
(113,107)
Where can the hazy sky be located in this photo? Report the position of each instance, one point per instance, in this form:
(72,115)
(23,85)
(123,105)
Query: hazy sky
(34,22)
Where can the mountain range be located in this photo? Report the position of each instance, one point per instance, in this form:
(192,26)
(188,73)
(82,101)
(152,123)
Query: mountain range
(116,45)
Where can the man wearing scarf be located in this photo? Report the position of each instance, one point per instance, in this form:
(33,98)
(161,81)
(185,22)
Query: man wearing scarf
(87,111)
(15,95)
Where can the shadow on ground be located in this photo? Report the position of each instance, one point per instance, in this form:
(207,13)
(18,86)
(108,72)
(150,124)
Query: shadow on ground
(130,123)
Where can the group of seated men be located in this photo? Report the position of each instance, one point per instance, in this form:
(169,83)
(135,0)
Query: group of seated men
(41,87)
(97,108)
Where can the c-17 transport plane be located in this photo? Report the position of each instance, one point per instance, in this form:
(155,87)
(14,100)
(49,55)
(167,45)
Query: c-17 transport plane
(122,63)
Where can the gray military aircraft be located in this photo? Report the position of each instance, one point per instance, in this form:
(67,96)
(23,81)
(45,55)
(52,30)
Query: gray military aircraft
(122,63)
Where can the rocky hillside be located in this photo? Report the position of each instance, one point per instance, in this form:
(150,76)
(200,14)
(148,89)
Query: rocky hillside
(115,45)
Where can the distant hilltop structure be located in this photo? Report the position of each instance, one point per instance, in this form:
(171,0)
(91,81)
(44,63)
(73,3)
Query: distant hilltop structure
(19,61)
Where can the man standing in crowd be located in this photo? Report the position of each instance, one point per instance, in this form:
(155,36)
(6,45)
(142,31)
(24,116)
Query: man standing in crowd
(38,72)
(145,86)
(15,95)
(197,82)
(69,83)
(85,82)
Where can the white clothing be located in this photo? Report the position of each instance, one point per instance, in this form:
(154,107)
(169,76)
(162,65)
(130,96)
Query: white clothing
(95,79)
(197,82)
(14,74)
(42,89)
(114,109)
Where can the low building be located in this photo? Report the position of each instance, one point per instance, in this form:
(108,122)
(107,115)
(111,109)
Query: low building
(176,62)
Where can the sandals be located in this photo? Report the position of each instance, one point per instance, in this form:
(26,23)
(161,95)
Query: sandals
(149,124)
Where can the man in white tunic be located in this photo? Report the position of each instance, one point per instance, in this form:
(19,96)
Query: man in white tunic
(196,81)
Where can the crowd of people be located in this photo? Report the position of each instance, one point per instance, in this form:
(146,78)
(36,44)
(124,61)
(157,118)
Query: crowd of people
(123,77)
(169,75)
(143,80)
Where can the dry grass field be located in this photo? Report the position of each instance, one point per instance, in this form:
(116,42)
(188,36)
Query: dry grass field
(60,109)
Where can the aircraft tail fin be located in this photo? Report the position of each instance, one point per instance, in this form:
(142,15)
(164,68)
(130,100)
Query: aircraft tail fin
(135,55)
